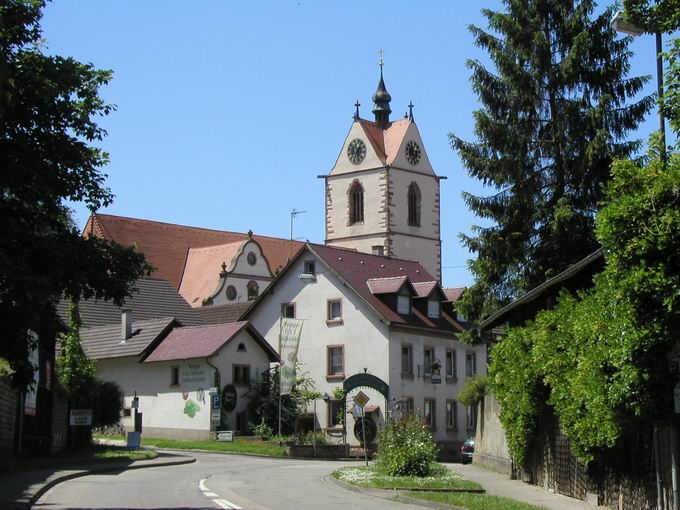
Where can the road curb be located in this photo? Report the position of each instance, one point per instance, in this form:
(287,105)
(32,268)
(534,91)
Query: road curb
(390,495)
(245,454)
(104,468)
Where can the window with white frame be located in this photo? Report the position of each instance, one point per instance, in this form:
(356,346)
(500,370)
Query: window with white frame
(470,417)
(429,410)
(451,414)
(428,359)
(310,267)
(403,304)
(334,310)
(407,360)
(450,363)
(433,309)
(470,364)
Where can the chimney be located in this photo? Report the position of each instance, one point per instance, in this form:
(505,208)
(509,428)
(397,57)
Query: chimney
(126,325)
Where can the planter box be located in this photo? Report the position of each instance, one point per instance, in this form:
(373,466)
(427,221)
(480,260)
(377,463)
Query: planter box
(330,451)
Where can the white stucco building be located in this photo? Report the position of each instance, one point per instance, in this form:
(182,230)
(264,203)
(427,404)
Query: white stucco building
(382,316)
(171,370)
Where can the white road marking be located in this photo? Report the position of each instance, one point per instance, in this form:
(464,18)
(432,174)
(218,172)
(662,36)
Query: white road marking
(220,502)
(201,485)
(226,504)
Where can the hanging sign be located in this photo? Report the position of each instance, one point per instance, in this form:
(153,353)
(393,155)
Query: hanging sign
(80,417)
(289,341)
(229,398)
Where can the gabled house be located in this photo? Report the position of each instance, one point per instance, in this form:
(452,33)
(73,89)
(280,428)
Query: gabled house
(377,315)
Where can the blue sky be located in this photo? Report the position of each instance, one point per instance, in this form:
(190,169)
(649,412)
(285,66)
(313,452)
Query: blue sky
(228,111)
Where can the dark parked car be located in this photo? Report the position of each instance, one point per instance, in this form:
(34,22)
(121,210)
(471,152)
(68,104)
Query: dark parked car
(467,450)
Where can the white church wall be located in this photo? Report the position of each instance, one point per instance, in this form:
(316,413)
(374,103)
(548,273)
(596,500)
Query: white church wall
(425,251)
(338,200)
(344,165)
(400,160)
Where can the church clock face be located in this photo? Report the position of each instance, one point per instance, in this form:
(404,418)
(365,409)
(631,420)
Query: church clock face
(412,152)
(356,151)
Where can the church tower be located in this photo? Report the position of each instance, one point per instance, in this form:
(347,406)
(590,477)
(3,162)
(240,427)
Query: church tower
(382,195)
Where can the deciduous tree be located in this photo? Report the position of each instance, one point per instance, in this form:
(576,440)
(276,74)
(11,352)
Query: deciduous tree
(49,109)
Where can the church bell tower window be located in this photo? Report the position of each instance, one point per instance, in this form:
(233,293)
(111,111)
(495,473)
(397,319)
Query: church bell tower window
(356,203)
(414,205)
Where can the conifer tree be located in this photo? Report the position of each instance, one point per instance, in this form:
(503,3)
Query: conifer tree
(557,107)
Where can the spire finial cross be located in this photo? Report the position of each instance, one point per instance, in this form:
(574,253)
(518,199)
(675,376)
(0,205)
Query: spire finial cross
(381,55)
(357,105)
(410,110)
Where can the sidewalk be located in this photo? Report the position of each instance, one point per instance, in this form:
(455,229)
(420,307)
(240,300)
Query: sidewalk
(500,485)
(20,490)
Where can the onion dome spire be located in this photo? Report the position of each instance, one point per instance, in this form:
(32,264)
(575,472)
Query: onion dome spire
(381,99)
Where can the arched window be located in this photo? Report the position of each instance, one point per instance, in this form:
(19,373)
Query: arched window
(414,205)
(356,203)
(253,290)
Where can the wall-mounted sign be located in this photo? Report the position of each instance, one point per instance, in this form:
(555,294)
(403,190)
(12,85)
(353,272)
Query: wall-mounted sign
(80,417)
(229,398)
(192,374)
(224,435)
(215,401)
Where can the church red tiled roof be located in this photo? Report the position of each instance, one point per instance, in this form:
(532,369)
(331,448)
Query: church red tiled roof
(386,142)
(166,245)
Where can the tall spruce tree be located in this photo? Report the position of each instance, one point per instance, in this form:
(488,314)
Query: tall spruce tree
(556,110)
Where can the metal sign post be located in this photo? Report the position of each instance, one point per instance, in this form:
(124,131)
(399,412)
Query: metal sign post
(360,400)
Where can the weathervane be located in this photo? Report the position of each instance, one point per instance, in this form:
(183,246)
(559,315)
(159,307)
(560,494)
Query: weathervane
(381,54)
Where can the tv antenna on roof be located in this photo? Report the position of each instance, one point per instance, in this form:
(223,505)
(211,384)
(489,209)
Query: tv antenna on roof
(293,214)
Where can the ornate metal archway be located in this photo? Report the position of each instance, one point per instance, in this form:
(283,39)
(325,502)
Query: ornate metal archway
(364,380)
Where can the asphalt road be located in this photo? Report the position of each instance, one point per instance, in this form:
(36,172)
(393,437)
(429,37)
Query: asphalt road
(215,481)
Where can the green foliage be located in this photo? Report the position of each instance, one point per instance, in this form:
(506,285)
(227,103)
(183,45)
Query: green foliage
(264,403)
(670,102)
(49,108)
(473,390)
(107,403)
(406,448)
(556,109)
(76,371)
(310,437)
(262,429)
(653,15)
(598,358)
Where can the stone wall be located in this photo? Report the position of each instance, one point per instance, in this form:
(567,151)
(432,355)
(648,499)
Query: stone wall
(8,414)
(491,447)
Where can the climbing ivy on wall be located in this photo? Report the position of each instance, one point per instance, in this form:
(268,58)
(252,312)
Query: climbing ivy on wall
(600,358)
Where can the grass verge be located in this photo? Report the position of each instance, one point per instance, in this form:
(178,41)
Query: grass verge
(259,448)
(473,501)
(370,476)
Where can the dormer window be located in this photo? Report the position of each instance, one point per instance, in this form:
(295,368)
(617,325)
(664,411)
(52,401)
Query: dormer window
(433,309)
(403,304)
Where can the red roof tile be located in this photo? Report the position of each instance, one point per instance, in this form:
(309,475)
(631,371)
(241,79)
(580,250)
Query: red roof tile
(453,294)
(166,245)
(386,142)
(357,268)
(388,285)
(195,342)
(202,270)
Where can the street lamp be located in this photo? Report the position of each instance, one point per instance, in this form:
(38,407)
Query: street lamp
(620,24)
